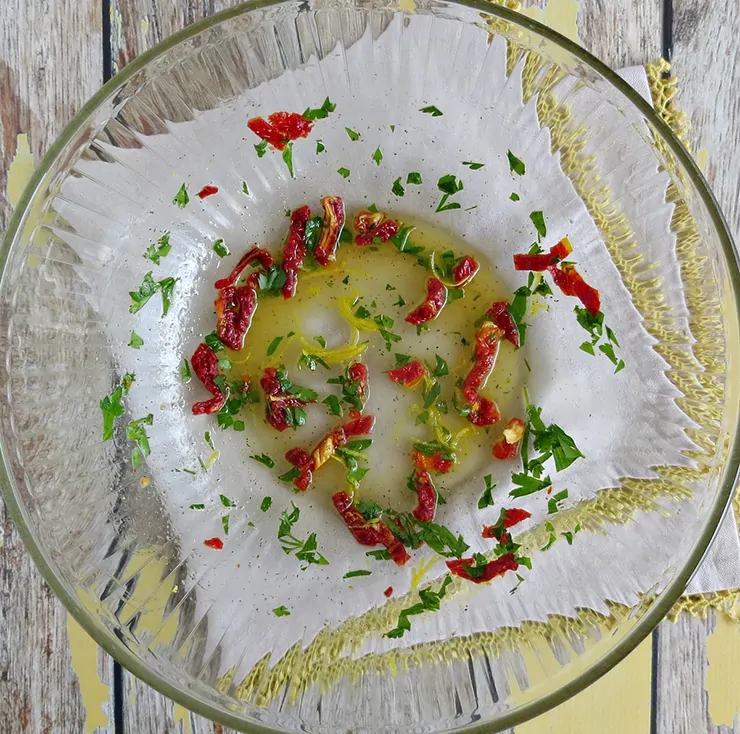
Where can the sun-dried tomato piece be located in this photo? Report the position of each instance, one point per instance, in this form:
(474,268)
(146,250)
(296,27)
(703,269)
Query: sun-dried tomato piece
(514,516)
(438,463)
(326,249)
(388,591)
(278,401)
(235,308)
(254,253)
(570,282)
(543,260)
(215,543)
(294,249)
(510,518)
(207,191)
(434,303)
(508,446)
(464,271)
(205,366)
(326,448)
(281,128)
(409,375)
(374,228)
(369,533)
(357,374)
(497,567)
(426,508)
(482,412)
(504,320)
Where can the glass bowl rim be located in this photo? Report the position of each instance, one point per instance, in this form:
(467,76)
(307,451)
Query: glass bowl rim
(659,608)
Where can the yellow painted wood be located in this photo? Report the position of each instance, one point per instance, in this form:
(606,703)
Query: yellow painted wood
(601,707)
(722,681)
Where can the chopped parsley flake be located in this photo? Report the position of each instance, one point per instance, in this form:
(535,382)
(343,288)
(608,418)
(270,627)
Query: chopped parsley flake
(287,155)
(397,188)
(377,156)
(414,178)
(449,186)
(486,499)
(136,431)
(354,574)
(515,165)
(514,196)
(135,342)
(322,112)
(353,136)
(181,197)
(156,252)
(261,148)
(428,602)
(553,505)
(220,248)
(431,110)
(440,367)
(379,555)
(245,188)
(343,172)
(209,440)
(274,344)
(473,166)
(225,524)
(112,405)
(263,459)
(320,147)
(198,506)
(281,611)
(538,219)
(266,504)
(226,502)
(304,550)
(185,370)
(214,342)
(333,404)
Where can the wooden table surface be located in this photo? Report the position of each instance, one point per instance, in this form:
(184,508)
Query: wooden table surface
(54,54)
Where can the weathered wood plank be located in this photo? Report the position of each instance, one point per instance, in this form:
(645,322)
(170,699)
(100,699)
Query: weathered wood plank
(48,68)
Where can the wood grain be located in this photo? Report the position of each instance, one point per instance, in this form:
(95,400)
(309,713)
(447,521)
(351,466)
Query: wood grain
(48,68)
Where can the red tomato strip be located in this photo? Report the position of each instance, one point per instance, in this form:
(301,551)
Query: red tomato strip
(427,494)
(205,366)
(215,543)
(388,591)
(570,282)
(543,260)
(326,448)
(281,128)
(207,191)
(511,517)
(235,308)
(508,446)
(357,376)
(464,271)
(374,228)
(294,249)
(409,375)
(503,319)
(326,249)
(483,412)
(430,309)
(369,533)
(254,253)
(497,567)
(277,400)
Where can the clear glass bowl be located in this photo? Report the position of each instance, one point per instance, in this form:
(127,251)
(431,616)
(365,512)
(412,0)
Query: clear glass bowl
(121,546)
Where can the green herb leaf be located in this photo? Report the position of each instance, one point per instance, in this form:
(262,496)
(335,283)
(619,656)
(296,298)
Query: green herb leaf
(473,166)
(136,431)
(214,342)
(320,113)
(379,555)
(397,188)
(281,611)
(343,172)
(402,360)
(245,188)
(400,303)
(431,110)
(273,280)
(220,248)
(209,440)
(263,459)
(287,155)
(528,485)
(185,371)
(442,540)
(432,395)
(261,148)
(515,165)
(146,290)
(198,506)
(225,524)
(181,197)
(354,574)
(429,602)
(290,475)
(226,502)
(514,196)
(538,219)
(377,156)
(440,367)
(486,499)
(274,345)
(320,147)
(167,286)
(449,184)
(414,178)
(160,250)
(353,136)
(332,402)
(266,504)
(135,342)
